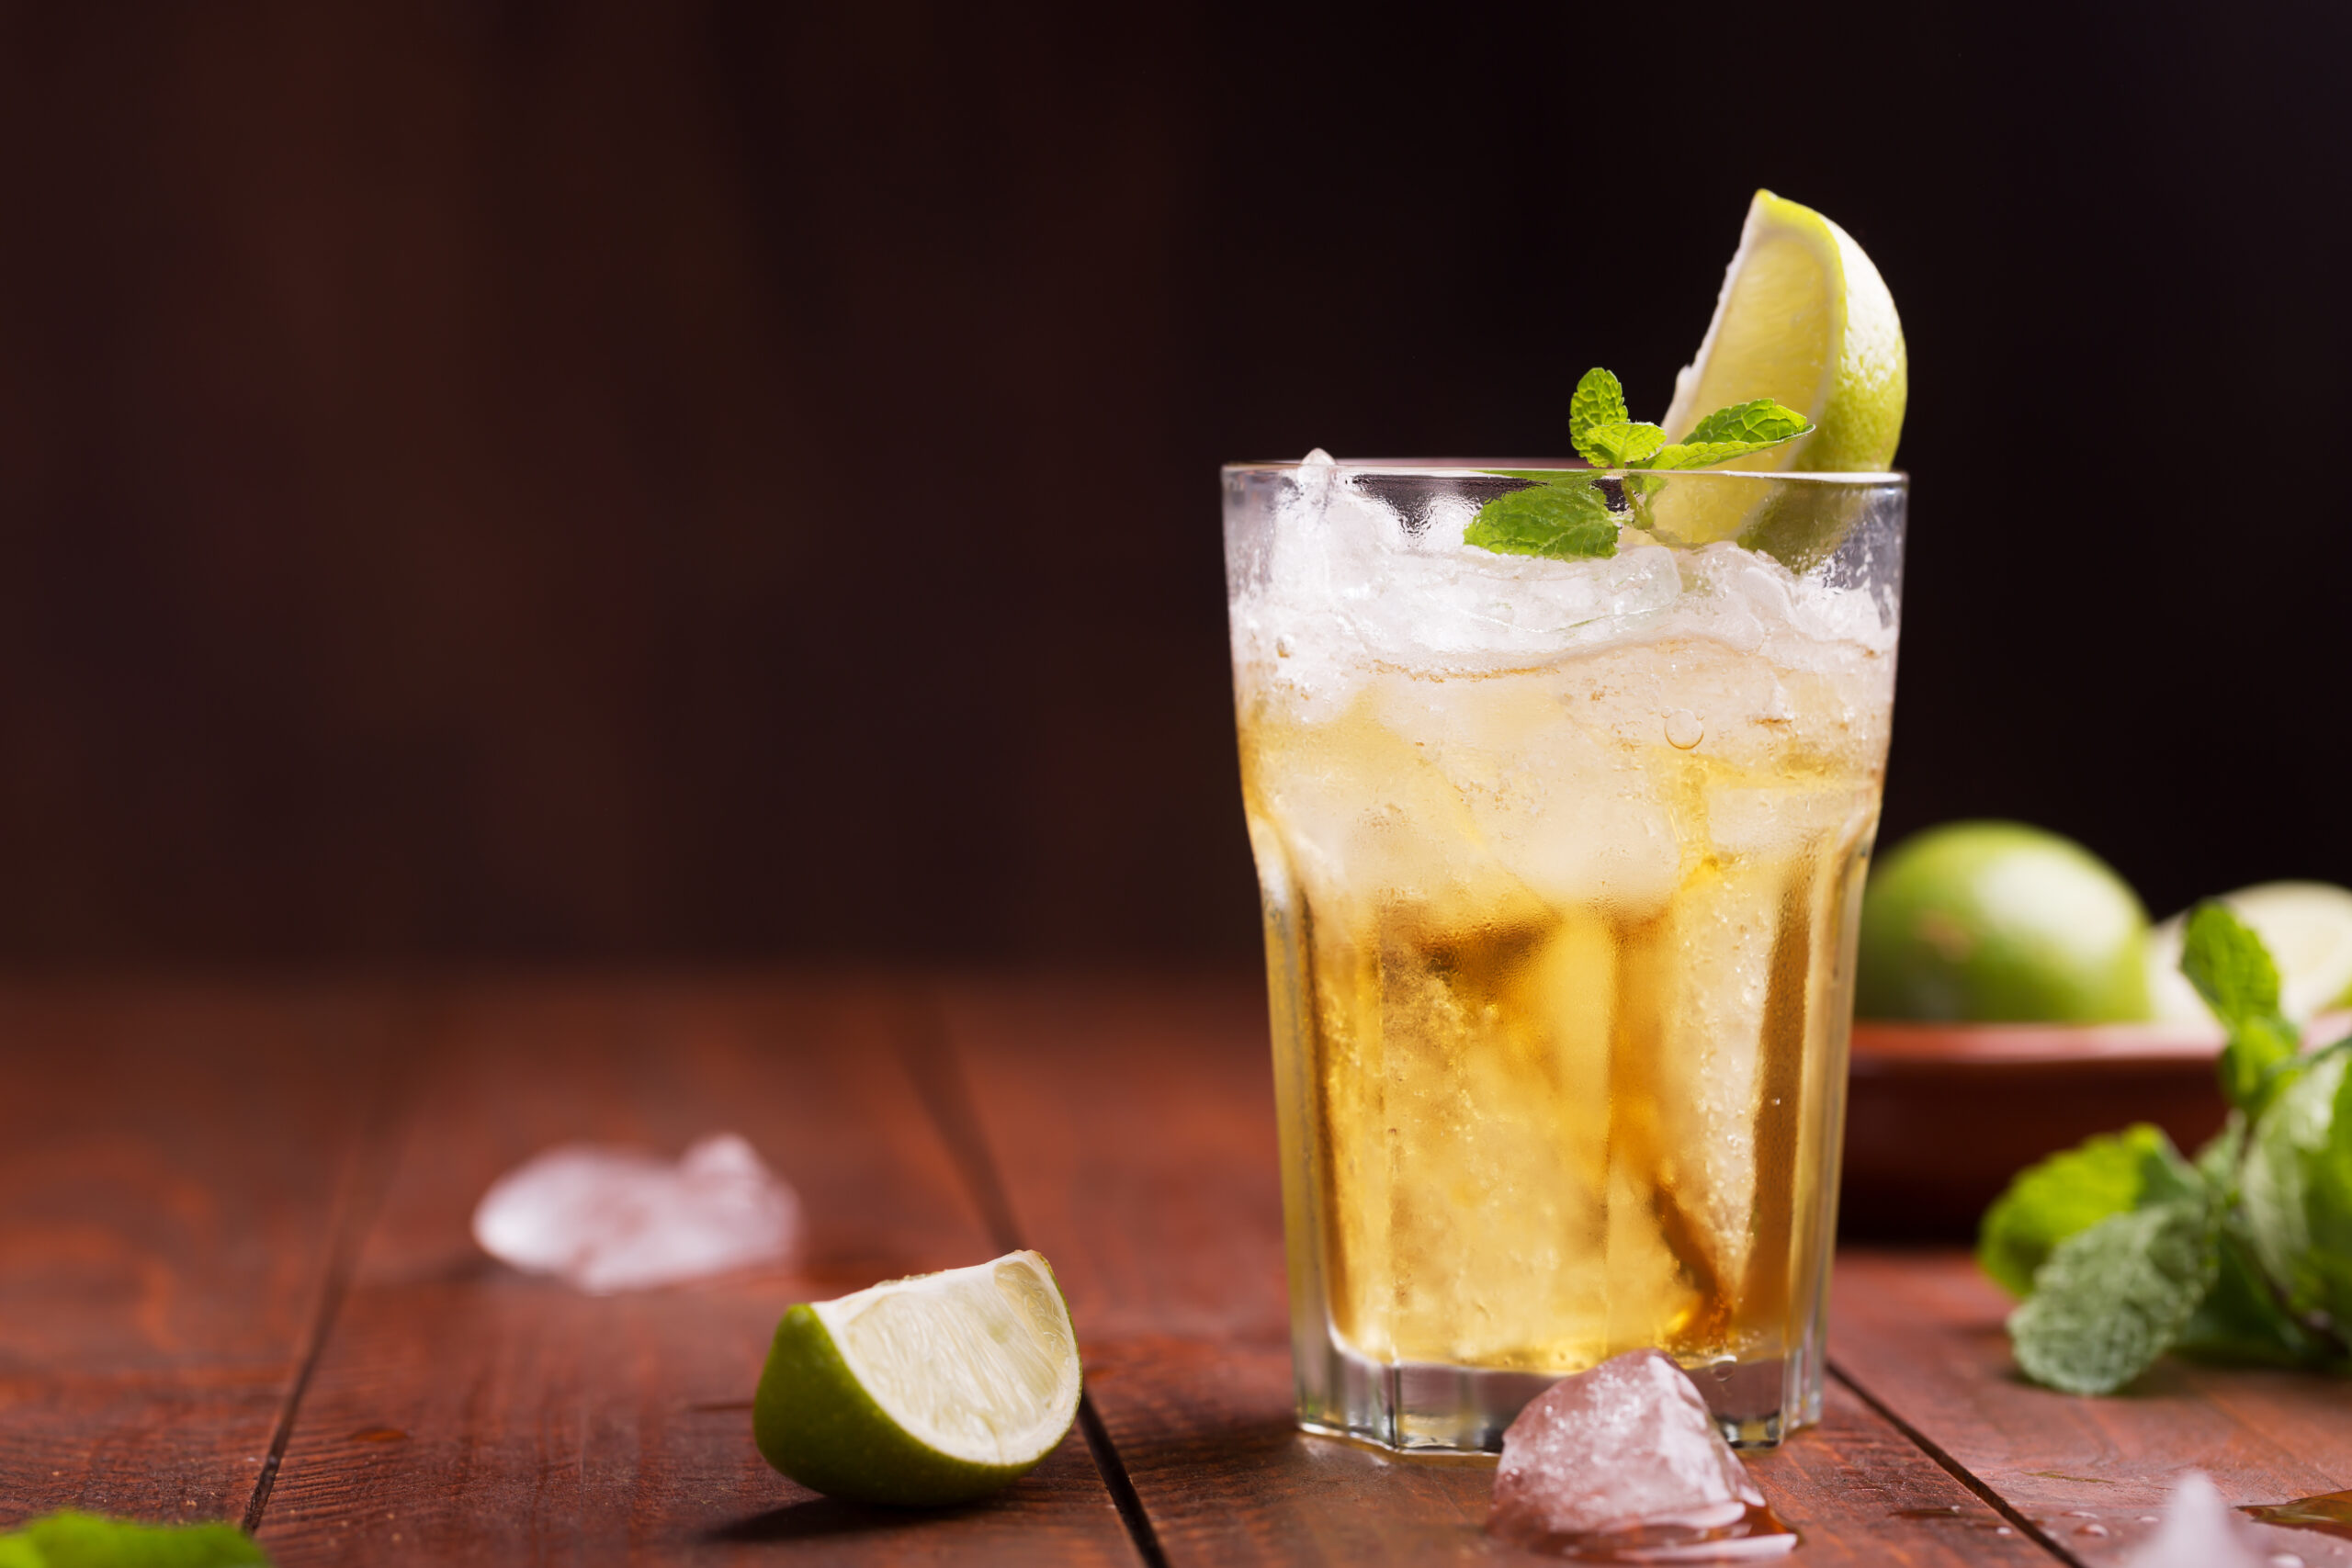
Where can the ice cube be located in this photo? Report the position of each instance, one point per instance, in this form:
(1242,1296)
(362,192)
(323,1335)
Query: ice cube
(2200,1530)
(615,1219)
(1315,472)
(1624,1460)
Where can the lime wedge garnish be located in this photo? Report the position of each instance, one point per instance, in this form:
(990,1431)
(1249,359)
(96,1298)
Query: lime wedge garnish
(933,1390)
(2307,926)
(1804,319)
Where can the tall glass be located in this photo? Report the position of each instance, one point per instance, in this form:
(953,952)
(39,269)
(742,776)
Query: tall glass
(1561,864)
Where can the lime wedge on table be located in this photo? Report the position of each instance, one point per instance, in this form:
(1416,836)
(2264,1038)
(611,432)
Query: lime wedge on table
(2307,926)
(1806,318)
(933,1390)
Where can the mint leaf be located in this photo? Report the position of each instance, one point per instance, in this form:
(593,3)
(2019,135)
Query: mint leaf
(1560,522)
(2067,1193)
(85,1540)
(2242,1319)
(2233,971)
(1759,424)
(2114,1297)
(2296,1190)
(1687,455)
(1682,455)
(1597,399)
(2228,964)
(1623,445)
(2217,1162)
(1733,432)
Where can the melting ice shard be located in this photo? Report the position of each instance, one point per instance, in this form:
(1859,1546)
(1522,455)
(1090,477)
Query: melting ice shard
(2198,1531)
(612,1219)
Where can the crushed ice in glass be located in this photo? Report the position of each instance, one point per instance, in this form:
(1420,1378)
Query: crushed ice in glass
(615,1219)
(1624,1463)
(2200,1530)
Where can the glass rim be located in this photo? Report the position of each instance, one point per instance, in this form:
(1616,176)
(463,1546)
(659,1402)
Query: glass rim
(1510,468)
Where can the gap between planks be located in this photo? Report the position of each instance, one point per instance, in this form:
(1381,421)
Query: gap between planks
(370,1175)
(942,1086)
(931,1062)
(1954,1469)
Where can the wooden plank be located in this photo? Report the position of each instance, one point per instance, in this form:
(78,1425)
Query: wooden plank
(464,1413)
(174,1160)
(1134,1123)
(1921,1334)
(1204,1431)
(1132,1127)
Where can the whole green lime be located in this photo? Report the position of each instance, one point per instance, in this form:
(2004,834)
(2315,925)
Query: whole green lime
(1997,923)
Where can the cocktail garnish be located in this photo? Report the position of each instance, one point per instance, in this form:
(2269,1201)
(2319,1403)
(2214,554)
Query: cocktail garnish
(1574,513)
(2245,1253)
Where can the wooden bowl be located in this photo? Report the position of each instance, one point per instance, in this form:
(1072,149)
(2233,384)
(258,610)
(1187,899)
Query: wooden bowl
(1941,1115)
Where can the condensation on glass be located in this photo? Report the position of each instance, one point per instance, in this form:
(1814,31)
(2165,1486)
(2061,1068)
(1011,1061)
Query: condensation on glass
(1560,866)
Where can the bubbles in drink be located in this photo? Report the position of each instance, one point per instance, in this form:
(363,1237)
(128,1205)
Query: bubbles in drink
(1556,1008)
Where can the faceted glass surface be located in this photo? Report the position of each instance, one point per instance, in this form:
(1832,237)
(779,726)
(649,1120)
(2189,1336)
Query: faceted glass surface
(1560,864)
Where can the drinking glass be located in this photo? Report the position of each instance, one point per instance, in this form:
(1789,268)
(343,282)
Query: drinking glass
(1560,864)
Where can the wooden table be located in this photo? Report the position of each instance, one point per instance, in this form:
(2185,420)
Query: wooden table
(236,1281)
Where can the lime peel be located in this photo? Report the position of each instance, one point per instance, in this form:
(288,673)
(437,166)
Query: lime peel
(1806,318)
(928,1391)
(1997,923)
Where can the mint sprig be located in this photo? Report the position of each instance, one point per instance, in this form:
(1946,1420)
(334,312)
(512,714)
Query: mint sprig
(2123,1250)
(1599,398)
(2233,971)
(71,1540)
(2069,1193)
(1607,437)
(2114,1297)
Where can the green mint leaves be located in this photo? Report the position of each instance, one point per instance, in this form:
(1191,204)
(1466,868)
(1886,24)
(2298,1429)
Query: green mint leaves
(2231,969)
(2123,1250)
(1733,432)
(1599,398)
(1571,515)
(2114,1297)
(2296,1188)
(1607,437)
(1567,521)
(1624,444)
(2072,1191)
(85,1540)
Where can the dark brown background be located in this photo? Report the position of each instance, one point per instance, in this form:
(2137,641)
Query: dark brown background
(735,479)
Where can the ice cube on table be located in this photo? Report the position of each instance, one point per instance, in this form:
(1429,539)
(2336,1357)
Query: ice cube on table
(1623,1462)
(2200,1530)
(615,1219)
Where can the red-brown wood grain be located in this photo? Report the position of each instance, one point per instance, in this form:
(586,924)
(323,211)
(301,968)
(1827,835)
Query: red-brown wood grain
(1921,1334)
(206,1190)
(175,1163)
(464,1413)
(1133,1130)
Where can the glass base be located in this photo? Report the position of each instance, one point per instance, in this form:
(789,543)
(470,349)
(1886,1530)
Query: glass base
(1418,1407)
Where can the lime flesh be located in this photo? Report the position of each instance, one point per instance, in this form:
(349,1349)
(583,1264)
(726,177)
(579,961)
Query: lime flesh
(1986,922)
(1804,319)
(923,1391)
